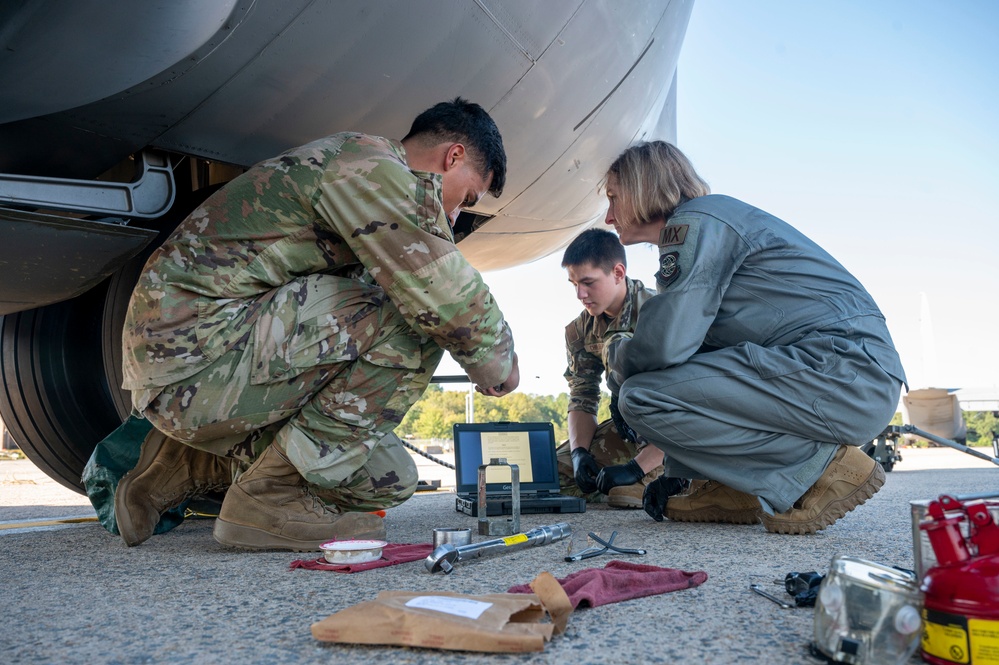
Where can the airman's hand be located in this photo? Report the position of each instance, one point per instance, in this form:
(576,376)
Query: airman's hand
(618,475)
(658,492)
(508,386)
(585,470)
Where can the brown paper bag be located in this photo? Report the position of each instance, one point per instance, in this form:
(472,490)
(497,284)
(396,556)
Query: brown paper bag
(495,623)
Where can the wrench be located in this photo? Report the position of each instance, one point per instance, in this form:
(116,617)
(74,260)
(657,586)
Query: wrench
(758,589)
(447,554)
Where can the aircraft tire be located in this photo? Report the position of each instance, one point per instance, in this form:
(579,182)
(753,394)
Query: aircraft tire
(61,367)
(57,401)
(889,464)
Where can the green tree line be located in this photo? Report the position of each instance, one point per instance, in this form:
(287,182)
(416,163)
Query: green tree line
(435,414)
(982,426)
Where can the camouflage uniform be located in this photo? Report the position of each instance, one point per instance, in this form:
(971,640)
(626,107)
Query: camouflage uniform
(308,303)
(584,341)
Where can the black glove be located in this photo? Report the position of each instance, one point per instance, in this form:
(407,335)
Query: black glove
(620,425)
(585,470)
(656,493)
(621,474)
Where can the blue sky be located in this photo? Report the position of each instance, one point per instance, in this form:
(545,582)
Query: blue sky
(873,127)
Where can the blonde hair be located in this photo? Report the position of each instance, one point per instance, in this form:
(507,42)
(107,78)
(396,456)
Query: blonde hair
(653,179)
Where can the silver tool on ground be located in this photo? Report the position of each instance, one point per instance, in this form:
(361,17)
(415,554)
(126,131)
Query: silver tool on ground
(606,546)
(444,557)
(452,536)
(758,589)
(499,526)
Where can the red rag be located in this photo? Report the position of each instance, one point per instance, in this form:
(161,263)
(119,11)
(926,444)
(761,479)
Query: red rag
(392,554)
(620,580)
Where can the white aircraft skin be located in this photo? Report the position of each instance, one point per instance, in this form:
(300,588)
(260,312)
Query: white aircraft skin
(162,98)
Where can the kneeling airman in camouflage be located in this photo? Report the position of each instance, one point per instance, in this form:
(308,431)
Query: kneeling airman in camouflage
(292,320)
(605,460)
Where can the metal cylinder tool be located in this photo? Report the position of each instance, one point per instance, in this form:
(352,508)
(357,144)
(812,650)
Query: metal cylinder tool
(444,557)
(452,536)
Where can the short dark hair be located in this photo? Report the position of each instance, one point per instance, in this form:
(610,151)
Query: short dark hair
(467,123)
(597,246)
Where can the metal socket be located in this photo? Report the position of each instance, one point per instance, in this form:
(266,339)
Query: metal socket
(452,536)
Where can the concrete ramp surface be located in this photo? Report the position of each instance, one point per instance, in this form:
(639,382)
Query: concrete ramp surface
(76,594)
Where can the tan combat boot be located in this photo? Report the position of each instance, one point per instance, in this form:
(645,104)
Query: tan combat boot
(850,479)
(630,496)
(168,473)
(710,501)
(269,507)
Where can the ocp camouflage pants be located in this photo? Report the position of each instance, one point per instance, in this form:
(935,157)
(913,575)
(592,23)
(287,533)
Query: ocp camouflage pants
(607,447)
(327,372)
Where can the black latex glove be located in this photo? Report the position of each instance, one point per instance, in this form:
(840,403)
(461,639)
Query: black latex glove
(658,491)
(623,428)
(621,474)
(585,470)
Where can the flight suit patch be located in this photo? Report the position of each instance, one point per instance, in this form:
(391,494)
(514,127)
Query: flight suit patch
(673,234)
(669,269)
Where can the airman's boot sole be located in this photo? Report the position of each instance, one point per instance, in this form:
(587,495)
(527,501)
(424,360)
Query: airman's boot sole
(849,481)
(361,526)
(716,515)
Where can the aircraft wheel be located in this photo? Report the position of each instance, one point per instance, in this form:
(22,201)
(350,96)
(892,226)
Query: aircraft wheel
(61,367)
(887,464)
(57,401)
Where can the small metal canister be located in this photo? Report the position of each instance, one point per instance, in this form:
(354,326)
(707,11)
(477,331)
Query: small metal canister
(452,536)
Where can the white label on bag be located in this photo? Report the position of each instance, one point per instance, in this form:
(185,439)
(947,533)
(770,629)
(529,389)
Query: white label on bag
(462,607)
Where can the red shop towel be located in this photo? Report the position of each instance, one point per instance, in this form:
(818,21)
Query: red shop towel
(392,554)
(620,580)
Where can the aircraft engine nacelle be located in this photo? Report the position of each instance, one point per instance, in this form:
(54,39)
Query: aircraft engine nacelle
(935,410)
(115,117)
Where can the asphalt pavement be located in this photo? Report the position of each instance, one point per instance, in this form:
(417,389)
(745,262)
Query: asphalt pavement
(73,593)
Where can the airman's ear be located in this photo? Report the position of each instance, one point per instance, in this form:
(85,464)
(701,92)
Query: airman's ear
(454,156)
(619,272)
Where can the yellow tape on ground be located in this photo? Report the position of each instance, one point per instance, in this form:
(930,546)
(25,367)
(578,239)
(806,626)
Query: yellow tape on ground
(43,523)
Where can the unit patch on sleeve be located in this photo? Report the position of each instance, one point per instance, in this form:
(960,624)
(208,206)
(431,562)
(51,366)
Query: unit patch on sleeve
(669,269)
(673,234)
